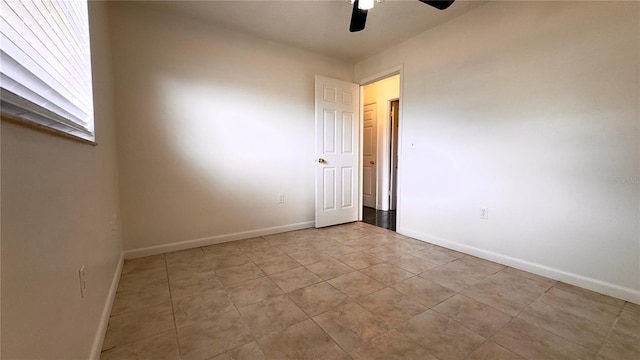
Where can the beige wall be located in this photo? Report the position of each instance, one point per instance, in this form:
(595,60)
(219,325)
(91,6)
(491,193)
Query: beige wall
(213,125)
(381,93)
(58,199)
(532,110)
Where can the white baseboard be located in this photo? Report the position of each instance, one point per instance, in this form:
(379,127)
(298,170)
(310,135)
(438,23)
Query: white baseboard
(96,349)
(602,287)
(188,244)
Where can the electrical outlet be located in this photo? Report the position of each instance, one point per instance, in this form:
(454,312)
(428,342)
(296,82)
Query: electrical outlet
(82,276)
(484,213)
(280,198)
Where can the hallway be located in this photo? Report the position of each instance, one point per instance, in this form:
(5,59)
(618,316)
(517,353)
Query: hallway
(379,218)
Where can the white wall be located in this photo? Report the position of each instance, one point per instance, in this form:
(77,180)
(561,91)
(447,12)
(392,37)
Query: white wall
(59,197)
(381,93)
(213,125)
(529,109)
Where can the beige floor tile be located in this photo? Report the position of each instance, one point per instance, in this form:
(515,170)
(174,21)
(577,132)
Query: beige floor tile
(475,316)
(360,260)
(225,261)
(276,239)
(532,342)
(144,280)
(624,341)
(506,292)
(327,244)
(384,253)
(619,345)
(628,324)
(350,325)
(412,264)
(339,250)
(277,283)
(184,256)
(329,269)
(191,309)
(318,298)
(194,284)
(356,284)
(360,243)
(493,351)
(543,281)
(250,351)
(277,264)
(423,291)
(384,238)
(391,346)
(438,255)
(252,291)
(387,273)
(461,273)
(303,234)
(253,244)
(480,266)
(346,237)
(144,263)
(213,336)
(228,248)
(590,307)
(138,324)
(304,340)
(295,279)
(441,336)
(138,299)
(181,271)
(237,274)
(410,246)
(271,315)
(453,279)
(581,330)
(391,306)
(263,253)
(307,257)
(632,307)
(159,347)
(294,247)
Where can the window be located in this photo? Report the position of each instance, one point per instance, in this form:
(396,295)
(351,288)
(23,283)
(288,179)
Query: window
(45,64)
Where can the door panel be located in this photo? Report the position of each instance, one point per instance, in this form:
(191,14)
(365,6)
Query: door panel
(369,151)
(337,141)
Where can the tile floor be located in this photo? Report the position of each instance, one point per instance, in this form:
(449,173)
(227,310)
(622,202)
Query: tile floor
(356,291)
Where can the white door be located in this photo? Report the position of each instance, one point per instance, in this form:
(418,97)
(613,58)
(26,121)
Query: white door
(369,151)
(337,145)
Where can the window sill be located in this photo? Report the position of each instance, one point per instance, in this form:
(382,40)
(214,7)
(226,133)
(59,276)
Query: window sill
(45,129)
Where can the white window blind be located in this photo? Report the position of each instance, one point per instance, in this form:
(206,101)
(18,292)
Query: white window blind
(45,68)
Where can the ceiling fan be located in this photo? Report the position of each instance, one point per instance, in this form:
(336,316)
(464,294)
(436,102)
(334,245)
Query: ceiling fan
(361,7)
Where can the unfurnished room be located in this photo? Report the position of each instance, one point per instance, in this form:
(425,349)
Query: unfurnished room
(320,179)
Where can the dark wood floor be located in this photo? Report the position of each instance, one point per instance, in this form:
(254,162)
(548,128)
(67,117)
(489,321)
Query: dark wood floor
(379,218)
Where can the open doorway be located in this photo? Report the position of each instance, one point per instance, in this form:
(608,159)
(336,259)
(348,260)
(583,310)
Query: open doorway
(380,111)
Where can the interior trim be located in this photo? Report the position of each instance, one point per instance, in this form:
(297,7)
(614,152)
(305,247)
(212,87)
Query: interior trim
(218,239)
(96,348)
(596,285)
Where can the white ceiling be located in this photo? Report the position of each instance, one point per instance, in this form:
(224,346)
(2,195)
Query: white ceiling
(321,26)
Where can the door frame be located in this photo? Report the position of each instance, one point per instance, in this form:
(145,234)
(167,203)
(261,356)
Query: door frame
(366,80)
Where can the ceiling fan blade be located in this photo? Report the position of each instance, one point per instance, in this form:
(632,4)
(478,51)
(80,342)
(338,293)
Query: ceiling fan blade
(358,18)
(438,4)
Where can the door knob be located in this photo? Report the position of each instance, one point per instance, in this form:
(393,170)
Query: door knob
(322,161)
(372,162)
